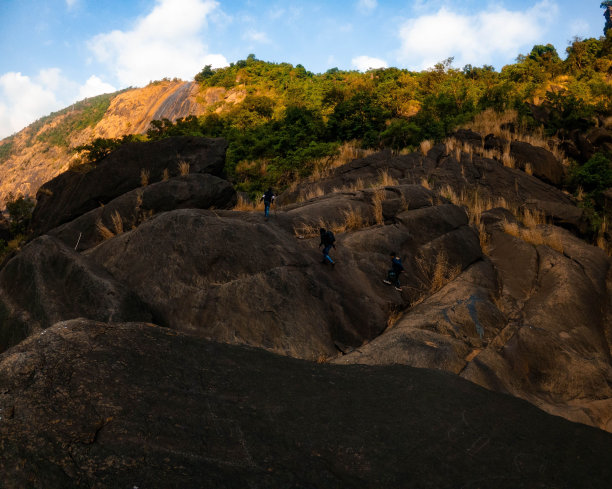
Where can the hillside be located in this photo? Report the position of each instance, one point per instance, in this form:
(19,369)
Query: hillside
(281,119)
(157,330)
(151,286)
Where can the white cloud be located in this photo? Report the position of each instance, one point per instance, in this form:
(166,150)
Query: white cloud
(366,6)
(165,43)
(476,39)
(94,86)
(71,3)
(22,101)
(579,27)
(256,36)
(364,63)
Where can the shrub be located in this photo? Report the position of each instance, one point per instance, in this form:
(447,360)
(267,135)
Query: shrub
(20,213)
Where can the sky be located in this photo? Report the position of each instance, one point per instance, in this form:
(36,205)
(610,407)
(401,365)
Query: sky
(56,52)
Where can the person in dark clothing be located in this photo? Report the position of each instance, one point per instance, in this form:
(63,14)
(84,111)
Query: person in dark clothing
(394,273)
(268,198)
(327,241)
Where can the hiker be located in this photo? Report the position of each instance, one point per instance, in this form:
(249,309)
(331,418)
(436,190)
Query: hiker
(268,198)
(394,273)
(327,241)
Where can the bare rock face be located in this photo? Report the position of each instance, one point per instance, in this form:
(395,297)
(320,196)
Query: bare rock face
(543,163)
(74,193)
(48,282)
(440,169)
(132,208)
(233,277)
(99,405)
(543,339)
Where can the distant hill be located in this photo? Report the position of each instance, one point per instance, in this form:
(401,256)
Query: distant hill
(380,108)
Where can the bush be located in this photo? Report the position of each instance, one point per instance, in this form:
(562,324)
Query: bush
(594,176)
(20,213)
(102,147)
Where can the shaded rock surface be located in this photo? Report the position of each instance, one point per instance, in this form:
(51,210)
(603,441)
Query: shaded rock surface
(542,162)
(48,282)
(233,277)
(73,193)
(543,339)
(530,318)
(162,409)
(186,191)
(439,168)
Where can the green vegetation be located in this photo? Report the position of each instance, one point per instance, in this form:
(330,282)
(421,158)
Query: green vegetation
(590,181)
(283,121)
(101,147)
(20,213)
(289,119)
(6,149)
(86,113)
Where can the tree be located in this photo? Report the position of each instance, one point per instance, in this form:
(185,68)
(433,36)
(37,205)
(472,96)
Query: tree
(20,213)
(595,175)
(206,73)
(101,147)
(607,4)
(360,117)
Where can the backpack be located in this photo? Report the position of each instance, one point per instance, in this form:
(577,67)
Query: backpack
(268,197)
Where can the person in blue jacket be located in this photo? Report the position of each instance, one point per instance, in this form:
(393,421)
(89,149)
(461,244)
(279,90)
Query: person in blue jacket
(327,241)
(396,269)
(268,198)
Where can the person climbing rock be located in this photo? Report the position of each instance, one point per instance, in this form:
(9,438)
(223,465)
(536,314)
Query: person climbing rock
(327,241)
(394,273)
(268,198)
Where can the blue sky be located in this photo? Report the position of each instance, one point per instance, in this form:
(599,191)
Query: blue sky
(55,52)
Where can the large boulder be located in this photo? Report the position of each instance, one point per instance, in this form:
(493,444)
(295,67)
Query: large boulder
(543,163)
(531,322)
(76,192)
(132,208)
(48,282)
(470,174)
(101,405)
(233,277)
(445,331)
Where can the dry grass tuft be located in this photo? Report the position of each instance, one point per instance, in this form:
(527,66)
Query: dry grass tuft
(386,180)
(312,193)
(377,202)
(165,175)
(104,232)
(491,122)
(183,167)
(394,316)
(536,235)
(533,218)
(601,241)
(144,177)
(117,222)
(434,274)
(425,146)
(528,169)
(306,230)
(244,205)
(425,183)
(353,220)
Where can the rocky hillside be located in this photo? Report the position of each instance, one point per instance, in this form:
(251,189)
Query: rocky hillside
(152,279)
(43,150)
